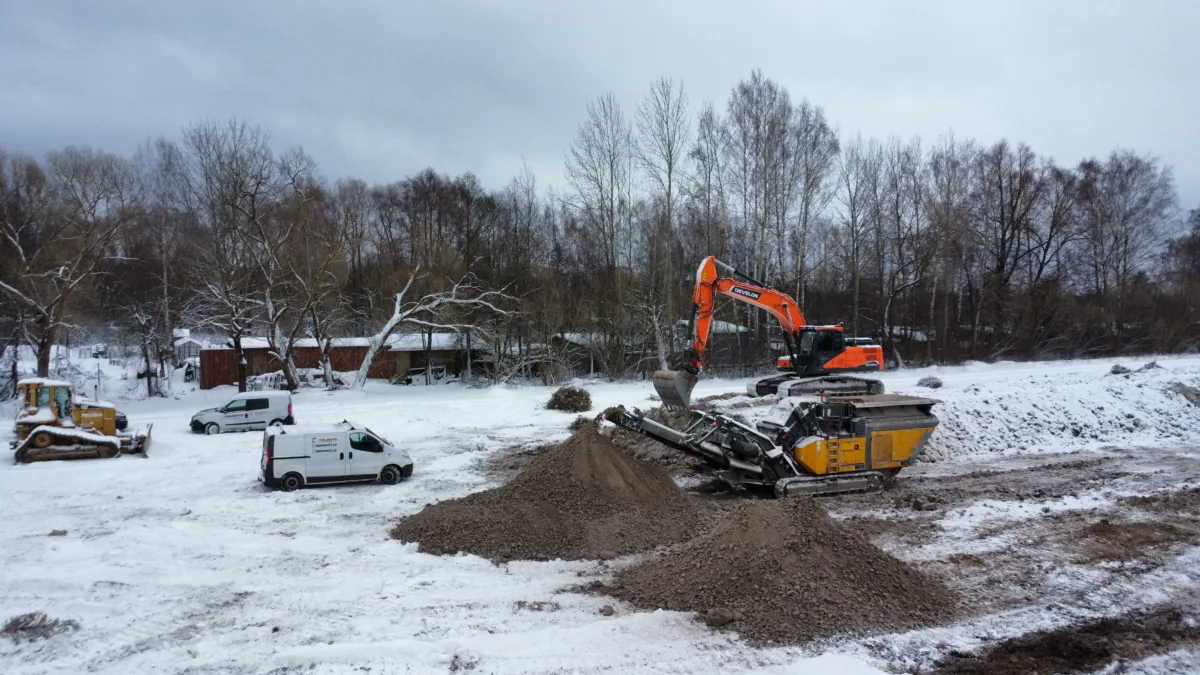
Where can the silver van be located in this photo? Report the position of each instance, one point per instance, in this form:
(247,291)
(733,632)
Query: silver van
(249,411)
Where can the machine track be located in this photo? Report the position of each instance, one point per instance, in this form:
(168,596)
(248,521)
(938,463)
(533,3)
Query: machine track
(788,384)
(52,443)
(862,481)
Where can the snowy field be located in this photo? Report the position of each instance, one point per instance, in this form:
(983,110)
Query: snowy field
(183,563)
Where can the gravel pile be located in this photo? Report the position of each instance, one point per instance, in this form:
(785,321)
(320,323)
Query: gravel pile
(583,499)
(781,572)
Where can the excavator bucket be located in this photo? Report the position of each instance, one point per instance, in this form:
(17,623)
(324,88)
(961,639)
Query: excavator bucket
(674,387)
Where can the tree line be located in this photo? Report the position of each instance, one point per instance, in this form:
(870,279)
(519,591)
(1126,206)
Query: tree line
(944,250)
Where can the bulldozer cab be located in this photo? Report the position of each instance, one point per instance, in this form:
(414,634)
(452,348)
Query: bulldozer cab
(52,403)
(45,401)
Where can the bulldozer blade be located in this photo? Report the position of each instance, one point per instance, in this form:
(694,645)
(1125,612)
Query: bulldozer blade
(139,443)
(674,387)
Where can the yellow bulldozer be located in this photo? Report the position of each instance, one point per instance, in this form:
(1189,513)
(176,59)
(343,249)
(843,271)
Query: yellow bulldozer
(53,423)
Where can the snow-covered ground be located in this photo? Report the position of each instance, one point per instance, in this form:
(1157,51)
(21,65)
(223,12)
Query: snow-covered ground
(183,562)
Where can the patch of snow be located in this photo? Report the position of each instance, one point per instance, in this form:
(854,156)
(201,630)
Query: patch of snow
(39,416)
(183,561)
(43,381)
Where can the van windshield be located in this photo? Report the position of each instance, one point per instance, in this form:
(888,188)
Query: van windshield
(378,436)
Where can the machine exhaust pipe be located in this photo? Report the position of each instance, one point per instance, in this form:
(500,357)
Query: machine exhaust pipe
(674,387)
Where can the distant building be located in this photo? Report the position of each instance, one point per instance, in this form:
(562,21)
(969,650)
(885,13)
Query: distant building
(187,348)
(402,353)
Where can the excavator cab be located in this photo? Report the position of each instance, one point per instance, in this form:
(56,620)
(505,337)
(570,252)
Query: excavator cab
(817,346)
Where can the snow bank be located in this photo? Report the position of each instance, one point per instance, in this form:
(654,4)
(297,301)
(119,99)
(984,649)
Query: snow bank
(1059,406)
(1059,412)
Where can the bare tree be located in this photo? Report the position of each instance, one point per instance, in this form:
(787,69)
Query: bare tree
(662,123)
(57,228)
(704,185)
(857,164)
(598,169)
(228,168)
(757,143)
(1127,203)
(427,312)
(815,152)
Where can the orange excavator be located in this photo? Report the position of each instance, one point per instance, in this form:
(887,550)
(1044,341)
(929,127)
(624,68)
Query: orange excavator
(818,359)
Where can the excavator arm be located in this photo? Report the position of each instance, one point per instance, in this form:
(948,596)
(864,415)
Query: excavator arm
(675,387)
(710,284)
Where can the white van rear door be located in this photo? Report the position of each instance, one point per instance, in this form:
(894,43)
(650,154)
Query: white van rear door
(326,457)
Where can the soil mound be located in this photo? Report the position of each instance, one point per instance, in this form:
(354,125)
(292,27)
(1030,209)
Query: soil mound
(780,571)
(584,498)
(570,399)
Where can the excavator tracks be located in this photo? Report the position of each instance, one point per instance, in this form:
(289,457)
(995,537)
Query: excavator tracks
(788,384)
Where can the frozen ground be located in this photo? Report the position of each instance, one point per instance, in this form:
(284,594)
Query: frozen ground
(183,563)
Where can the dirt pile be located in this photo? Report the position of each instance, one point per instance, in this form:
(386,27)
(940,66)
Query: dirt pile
(570,399)
(584,498)
(780,571)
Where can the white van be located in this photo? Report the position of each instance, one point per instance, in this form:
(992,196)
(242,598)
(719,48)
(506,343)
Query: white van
(293,457)
(247,411)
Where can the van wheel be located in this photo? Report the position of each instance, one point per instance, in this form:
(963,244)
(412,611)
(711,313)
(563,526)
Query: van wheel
(390,475)
(290,482)
(275,423)
(212,429)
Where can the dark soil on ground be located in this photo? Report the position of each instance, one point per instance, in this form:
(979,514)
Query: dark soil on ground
(781,572)
(1079,648)
(581,499)
(1106,540)
(36,626)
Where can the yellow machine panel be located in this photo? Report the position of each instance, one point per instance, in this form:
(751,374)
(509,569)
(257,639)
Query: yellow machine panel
(888,450)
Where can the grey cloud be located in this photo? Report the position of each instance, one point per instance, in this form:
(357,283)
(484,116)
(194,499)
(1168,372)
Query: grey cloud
(381,89)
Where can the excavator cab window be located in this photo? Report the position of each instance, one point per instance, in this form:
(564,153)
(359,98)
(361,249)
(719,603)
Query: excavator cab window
(831,342)
(43,397)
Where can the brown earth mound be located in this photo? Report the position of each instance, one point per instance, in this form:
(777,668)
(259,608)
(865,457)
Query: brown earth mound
(581,499)
(780,571)
(570,399)
(1080,648)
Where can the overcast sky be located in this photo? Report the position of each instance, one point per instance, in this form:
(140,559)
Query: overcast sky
(381,89)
